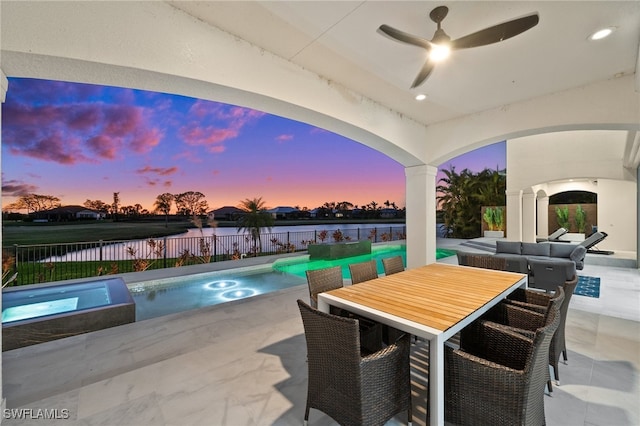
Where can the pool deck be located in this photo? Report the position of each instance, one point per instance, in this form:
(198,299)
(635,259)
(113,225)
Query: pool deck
(244,363)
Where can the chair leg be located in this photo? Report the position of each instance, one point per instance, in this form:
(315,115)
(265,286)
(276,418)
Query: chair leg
(556,374)
(306,416)
(564,355)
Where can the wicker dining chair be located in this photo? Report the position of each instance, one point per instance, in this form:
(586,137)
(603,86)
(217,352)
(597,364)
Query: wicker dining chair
(363,271)
(366,271)
(326,279)
(487,262)
(321,280)
(522,319)
(539,302)
(351,389)
(392,265)
(499,379)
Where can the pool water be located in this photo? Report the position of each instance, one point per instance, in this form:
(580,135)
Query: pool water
(299,266)
(45,301)
(172,295)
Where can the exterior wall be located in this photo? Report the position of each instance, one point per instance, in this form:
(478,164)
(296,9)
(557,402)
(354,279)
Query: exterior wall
(617,212)
(588,161)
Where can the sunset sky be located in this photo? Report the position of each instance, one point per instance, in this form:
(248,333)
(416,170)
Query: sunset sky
(79,141)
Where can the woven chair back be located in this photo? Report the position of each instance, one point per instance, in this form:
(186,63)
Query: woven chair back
(392,265)
(321,280)
(487,262)
(363,271)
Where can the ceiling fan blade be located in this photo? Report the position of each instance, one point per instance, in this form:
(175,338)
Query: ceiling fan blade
(424,73)
(398,35)
(496,33)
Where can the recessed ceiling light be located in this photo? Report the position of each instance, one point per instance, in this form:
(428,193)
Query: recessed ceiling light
(603,33)
(421,97)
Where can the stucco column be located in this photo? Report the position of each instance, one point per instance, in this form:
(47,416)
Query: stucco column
(4,86)
(529,216)
(542,218)
(514,216)
(421,215)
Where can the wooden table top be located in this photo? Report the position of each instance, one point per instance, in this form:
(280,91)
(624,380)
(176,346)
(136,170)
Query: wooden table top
(436,295)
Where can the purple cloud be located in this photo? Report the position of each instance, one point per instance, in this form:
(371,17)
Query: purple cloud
(228,123)
(16,188)
(162,171)
(76,132)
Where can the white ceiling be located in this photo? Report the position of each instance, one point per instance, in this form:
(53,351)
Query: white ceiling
(338,40)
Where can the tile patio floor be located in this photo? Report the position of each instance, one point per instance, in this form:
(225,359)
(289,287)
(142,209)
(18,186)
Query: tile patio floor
(243,363)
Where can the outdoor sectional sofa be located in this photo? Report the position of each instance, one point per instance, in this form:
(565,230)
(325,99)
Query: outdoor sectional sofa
(551,263)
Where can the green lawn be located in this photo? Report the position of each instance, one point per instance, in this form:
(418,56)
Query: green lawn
(52,233)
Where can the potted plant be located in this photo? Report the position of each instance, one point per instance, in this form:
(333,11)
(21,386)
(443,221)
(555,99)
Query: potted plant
(488,218)
(562,215)
(498,218)
(495,222)
(580,219)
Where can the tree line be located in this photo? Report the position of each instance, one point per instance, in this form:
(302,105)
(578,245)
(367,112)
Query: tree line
(187,204)
(460,198)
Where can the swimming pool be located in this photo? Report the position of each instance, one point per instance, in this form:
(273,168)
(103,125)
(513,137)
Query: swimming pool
(298,266)
(172,295)
(37,314)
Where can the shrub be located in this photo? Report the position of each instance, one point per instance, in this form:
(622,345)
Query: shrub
(562,215)
(580,219)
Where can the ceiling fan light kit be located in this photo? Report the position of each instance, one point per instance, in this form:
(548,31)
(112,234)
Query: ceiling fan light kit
(441,44)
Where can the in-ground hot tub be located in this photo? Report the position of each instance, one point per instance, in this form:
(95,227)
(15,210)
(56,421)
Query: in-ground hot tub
(41,313)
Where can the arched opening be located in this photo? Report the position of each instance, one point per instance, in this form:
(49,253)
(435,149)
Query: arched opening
(575,210)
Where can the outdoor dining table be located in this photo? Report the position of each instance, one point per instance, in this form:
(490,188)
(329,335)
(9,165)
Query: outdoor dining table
(434,302)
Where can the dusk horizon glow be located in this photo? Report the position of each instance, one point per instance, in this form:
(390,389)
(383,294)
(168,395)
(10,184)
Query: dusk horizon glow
(83,142)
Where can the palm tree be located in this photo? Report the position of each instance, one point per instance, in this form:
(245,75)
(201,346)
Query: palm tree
(460,217)
(463,195)
(493,187)
(116,201)
(343,207)
(163,204)
(255,219)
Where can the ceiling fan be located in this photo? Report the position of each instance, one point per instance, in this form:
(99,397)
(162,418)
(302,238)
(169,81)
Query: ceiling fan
(441,43)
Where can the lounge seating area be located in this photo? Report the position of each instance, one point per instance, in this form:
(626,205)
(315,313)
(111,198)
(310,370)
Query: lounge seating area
(246,363)
(548,264)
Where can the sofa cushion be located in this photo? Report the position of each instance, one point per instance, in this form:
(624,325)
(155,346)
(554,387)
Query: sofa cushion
(562,250)
(535,249)
(511,247)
